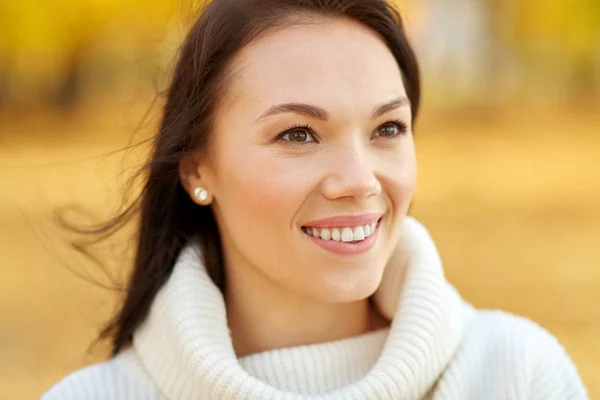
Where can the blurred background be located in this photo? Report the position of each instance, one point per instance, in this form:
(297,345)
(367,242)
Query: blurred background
(508,145)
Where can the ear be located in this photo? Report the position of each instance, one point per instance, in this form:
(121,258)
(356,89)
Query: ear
(192,175)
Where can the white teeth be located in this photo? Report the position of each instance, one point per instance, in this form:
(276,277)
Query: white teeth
(367,229)
(359,233)
(347,235)
(335,235)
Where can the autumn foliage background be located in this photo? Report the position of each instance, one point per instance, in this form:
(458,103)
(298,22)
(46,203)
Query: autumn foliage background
(508,145)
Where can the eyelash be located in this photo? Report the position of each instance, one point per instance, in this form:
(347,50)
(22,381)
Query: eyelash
(402,127)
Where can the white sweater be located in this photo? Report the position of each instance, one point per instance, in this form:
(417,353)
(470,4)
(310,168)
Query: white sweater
(438,347)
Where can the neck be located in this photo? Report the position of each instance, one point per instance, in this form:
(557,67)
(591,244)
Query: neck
(263,316)
(185,343)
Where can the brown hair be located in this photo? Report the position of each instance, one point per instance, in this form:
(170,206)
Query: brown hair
(168,217)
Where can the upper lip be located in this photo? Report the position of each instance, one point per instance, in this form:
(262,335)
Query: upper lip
(344,220)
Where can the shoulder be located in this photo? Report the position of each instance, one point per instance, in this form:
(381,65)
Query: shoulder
(122,377)
(507,350)
(498,332)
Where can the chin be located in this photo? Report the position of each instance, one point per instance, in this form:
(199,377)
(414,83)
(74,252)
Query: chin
(348,287)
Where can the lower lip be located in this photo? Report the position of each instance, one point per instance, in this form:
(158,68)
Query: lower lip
(347,247)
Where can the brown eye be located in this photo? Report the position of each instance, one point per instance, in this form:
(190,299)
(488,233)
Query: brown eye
(298,136)
(390,129)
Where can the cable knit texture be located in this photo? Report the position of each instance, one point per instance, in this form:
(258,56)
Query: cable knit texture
(438,347)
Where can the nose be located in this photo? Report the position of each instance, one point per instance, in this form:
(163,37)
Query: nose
(351,175)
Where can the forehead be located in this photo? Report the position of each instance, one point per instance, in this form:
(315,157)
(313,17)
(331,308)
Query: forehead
(334,63)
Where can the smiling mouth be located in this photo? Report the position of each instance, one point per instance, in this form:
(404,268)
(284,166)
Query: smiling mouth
(346,234)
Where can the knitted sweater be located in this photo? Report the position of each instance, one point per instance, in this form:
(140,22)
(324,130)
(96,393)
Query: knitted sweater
(438,347)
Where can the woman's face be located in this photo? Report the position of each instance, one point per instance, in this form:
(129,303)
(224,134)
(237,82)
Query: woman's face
(314,138)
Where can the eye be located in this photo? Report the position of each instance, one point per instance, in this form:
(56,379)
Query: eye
(391,129)
(297,135)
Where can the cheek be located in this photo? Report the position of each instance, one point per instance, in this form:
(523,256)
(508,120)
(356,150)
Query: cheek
(258,195)
(399,177)
(406,181)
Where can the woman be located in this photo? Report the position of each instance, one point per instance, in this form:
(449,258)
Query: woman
(275,258)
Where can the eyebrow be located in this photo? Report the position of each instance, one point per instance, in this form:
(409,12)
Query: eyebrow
(298,108)
(323,115)
(389,106)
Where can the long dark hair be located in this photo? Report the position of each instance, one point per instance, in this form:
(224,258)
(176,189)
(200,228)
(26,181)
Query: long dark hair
(167,216)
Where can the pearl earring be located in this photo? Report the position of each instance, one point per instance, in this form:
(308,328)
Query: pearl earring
(201,194)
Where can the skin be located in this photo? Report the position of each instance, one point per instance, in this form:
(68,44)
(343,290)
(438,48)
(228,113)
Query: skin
(282,289)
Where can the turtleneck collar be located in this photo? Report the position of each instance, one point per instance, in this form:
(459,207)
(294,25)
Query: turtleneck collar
(185,345)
